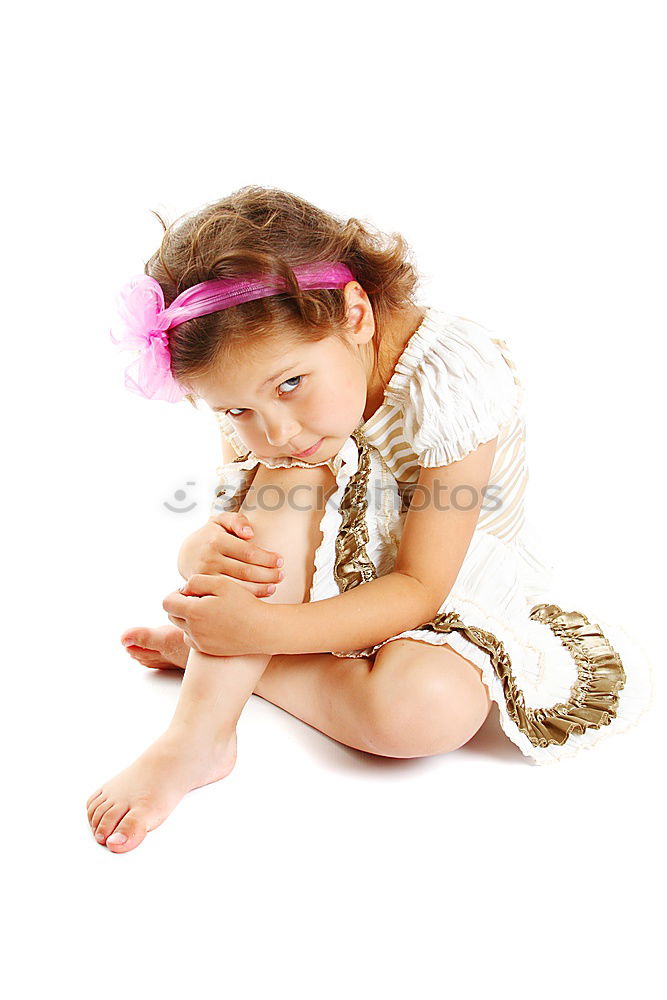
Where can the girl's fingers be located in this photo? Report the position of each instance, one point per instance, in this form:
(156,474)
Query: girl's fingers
(248,552)
(236,522)
(258,589)
(181,622)
(176,604)
(245,571)
(242,526)
(197,586)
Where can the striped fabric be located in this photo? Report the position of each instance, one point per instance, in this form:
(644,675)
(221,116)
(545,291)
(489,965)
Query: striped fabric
(502,512)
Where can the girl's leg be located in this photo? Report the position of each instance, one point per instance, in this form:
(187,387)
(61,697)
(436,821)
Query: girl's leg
(410,699)
(199,746)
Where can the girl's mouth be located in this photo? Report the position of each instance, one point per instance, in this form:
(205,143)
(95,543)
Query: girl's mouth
(309,451)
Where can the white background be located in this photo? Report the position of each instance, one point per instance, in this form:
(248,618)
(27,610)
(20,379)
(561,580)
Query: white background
(519,147)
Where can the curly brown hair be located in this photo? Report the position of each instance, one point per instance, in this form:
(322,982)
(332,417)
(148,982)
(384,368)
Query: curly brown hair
(268,231)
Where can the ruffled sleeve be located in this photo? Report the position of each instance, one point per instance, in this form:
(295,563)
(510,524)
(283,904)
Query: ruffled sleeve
(233,482)
(457,386)
(226,425)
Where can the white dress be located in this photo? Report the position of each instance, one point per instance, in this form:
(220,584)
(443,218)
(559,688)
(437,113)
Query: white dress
(561,682)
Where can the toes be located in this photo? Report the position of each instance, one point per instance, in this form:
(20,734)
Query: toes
(135,637)
(93,797)
(151,664)
(129,833)
(94,804)
(145,656)
(99,812)
(110,821)
(150,658)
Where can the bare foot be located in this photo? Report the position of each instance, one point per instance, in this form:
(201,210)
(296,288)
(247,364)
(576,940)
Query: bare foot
(162,648)
(141,797)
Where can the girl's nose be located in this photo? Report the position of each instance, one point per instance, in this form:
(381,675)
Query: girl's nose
(280,434)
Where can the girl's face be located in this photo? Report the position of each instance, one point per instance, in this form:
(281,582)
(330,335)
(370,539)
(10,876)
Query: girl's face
(287,397)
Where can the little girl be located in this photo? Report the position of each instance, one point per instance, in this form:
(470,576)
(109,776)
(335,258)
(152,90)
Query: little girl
(377,445)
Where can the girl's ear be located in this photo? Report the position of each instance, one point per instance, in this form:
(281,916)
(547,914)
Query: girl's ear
(360,323)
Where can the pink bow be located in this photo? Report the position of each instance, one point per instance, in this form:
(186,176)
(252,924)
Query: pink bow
(146,321)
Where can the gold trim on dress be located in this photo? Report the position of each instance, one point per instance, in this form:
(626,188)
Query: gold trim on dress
(352,564)
(593,700)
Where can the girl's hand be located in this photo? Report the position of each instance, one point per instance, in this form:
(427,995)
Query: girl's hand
(218,617)
(222,546)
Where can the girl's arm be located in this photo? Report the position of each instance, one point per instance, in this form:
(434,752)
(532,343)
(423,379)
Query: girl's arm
(436,535)
(360,617)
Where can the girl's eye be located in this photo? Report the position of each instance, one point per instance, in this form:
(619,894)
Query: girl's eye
(291,380)
(231,413)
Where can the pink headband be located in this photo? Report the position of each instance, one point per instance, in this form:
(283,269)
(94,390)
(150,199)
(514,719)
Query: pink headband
(146,321)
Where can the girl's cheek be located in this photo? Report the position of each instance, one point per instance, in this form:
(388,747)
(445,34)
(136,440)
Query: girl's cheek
(328,403)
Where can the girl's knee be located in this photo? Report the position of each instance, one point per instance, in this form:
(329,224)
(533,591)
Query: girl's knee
(285,508)
(288,494)
(421,704)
